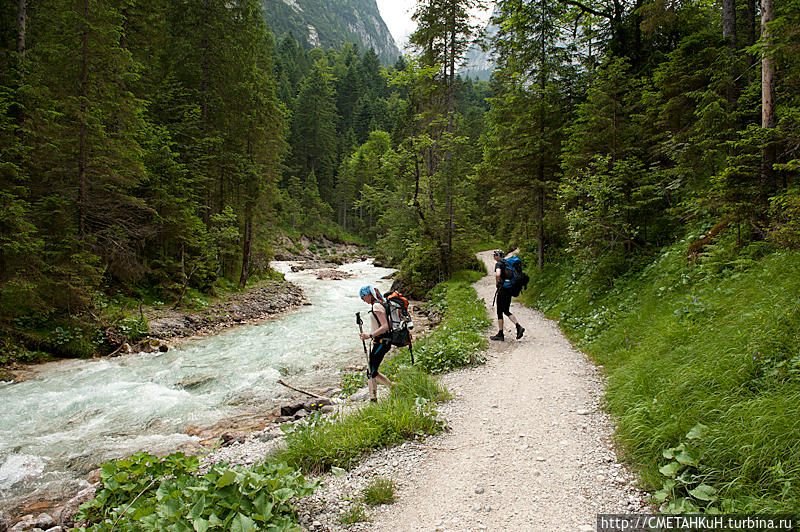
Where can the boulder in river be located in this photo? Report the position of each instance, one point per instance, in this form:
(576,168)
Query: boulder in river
(290,409)
(44,521)
(66,517)
(25,523)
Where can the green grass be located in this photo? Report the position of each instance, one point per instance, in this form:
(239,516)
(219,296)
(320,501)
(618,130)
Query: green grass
(717,344)
(354,514)
(341,441)
(380,490)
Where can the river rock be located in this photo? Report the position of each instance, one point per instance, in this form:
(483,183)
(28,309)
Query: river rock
(3,522)
(333,275)
(66,516)
(360,395)
(300,414)
(25,523)
(230,439)
(44,521)
(316,404)
(55,529)
(291,409)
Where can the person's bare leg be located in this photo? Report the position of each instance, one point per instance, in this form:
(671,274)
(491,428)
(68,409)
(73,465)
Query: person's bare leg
(372,387)
(381,378)
(500,325)
(513,319)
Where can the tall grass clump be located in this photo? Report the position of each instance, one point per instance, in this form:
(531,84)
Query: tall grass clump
(703,362)
(341,441)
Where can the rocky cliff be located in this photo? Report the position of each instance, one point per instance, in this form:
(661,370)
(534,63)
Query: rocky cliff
(331,23)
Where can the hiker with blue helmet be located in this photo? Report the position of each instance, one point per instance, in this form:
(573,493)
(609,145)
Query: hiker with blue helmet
(503,297)
(381,343)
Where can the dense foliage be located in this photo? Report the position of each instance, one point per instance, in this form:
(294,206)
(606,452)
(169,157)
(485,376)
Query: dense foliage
(144,492)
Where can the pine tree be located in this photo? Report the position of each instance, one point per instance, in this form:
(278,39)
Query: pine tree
(313,140)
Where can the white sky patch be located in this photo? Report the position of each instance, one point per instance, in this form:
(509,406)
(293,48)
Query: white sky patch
(397,16)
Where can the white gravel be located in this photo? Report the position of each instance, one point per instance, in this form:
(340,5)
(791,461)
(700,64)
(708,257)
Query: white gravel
(529,448)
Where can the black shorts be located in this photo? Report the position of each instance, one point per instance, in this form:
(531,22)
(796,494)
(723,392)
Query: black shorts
(379,350)
(503,303)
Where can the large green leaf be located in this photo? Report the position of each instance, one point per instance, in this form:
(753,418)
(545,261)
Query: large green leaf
(697,432)
(242,523)
(686,459)
(200,524)
(704,492)
(670,469)
(198,508)
(226,479)
(283,494)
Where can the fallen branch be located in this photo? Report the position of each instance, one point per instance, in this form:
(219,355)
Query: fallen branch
(280,381)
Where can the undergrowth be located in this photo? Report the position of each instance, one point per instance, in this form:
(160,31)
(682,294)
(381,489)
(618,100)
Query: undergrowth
(704,369)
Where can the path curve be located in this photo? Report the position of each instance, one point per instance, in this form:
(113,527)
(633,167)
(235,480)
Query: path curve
(529,447)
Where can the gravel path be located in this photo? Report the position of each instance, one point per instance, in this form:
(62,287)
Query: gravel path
(529,447)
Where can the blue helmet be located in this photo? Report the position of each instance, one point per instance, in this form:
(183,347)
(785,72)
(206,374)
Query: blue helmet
(369,289)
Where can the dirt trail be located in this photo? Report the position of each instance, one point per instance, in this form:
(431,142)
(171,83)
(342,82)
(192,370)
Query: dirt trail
(529,449)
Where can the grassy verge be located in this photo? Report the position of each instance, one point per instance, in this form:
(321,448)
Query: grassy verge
(341,441)
(704,370)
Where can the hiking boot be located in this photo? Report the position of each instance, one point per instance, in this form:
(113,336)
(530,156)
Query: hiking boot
(520,330)
(373,399)
(499,337)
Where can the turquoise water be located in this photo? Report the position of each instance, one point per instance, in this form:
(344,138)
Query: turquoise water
(71,415)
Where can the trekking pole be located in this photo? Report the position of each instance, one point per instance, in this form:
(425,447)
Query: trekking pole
(411,350)
(363,343)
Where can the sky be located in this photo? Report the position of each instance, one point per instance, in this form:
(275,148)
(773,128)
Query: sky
(397,16)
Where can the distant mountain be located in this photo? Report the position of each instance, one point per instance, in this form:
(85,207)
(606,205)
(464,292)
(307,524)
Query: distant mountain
(331,23)
(479,64)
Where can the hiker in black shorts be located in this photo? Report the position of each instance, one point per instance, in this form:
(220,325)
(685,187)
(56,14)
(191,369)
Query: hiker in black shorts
(380,342)
(503,297)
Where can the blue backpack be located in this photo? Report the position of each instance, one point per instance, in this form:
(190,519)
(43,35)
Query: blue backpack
(513,277)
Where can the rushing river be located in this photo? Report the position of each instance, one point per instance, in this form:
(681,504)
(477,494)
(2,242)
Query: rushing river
(71,415)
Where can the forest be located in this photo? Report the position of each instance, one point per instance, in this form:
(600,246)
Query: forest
(160,147)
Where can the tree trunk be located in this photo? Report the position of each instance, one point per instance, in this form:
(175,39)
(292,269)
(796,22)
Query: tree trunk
(82,131)
(729,24)
(246,246)
(751,36)
(729,36)
(22,19)
(767,91)
(540,228)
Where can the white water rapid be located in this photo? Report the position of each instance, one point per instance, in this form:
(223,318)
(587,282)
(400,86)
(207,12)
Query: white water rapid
(72,415)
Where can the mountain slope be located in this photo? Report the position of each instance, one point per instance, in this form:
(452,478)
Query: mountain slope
(331,23)
(477,62)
